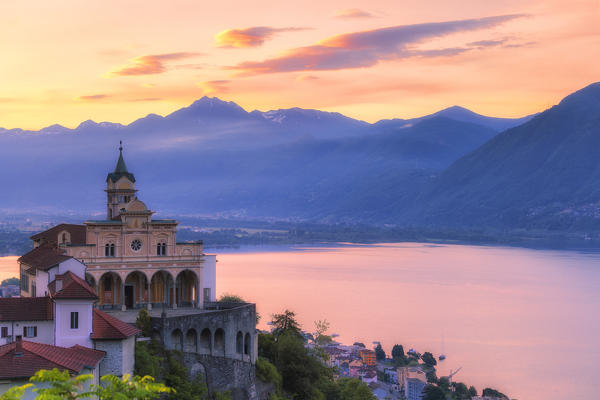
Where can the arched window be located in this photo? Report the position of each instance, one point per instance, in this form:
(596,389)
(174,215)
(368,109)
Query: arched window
(239,342)
(161,249)
(109,250)
(247,344)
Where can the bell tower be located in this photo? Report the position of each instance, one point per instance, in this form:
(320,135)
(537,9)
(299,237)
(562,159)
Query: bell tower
(120,188)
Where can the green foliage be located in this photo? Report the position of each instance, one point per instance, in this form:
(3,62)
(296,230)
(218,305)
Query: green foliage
(147,359)
(379,353)
(432,392)
(10,281)
(15,392)
(431,376)
(461,392)
(301,373)
(138,388)
(444,383)
(267,346)
(472,391)
(285,323)
(429,359)
(176,376)
(398,352)
(222,396)
(231,298)
(354,389)
(60,385)
(267,372)
(493,393)
(143,322)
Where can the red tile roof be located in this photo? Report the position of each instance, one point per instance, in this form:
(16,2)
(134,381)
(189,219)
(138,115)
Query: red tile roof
(43,257)
(105,326)
(73,287)
(77,232)
(26,309)
(36,356)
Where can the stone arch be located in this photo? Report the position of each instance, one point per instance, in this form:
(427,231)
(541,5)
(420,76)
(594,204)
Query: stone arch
(136,289)
(186,285)
(219,342)
(190,344)
(109,289)
(162,288)
(247,344)
(239,342)
(205,341)
(156,336)
(177,339)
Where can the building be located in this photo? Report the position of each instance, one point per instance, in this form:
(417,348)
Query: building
(9,291)
(415,381)
(21,359)
(368,357)
(132,260)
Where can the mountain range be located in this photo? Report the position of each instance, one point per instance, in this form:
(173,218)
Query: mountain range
(453,168)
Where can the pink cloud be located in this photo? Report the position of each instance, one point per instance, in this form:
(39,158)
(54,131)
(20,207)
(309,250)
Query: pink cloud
(214,87)
(353,13)
(93,97)
(249,37)
(150,64)
(367,48)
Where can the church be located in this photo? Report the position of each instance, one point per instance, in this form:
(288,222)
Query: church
(132,260)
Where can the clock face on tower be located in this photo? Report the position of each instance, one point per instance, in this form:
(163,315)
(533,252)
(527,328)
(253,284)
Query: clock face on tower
(136,245)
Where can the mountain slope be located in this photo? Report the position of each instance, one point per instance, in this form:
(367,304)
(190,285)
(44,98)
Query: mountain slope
(543,174)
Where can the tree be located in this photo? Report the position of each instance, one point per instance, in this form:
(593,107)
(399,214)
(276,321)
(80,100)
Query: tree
(432,392)
(143,322)
(444,383)
(359,344)
(353,389)
(231,298)
(429,359)
(398,352)
(379,353)
(130,388)
(493,393)
(285,322)
(461,392)
(472,391)
(10,281)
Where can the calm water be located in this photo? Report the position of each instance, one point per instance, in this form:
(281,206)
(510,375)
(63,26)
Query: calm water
(525,322)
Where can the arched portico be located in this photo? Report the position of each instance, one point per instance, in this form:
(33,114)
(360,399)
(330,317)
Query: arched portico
(162,289)
(136,290)
(109,290)
(187,289)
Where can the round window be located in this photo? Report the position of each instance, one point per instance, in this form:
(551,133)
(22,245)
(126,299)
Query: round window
(136,245)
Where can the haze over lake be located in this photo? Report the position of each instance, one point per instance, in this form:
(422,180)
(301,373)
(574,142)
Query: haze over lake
(522,321)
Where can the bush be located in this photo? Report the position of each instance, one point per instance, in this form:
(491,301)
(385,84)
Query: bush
(266,372)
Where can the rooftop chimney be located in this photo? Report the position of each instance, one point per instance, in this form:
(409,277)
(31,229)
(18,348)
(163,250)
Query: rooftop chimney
(19,346)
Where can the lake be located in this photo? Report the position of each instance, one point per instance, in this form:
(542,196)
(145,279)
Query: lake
(525,322)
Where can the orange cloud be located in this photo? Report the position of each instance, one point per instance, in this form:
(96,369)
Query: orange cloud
(249,37)
(214,87)
(92,97)
(150,64)
(353,13)
(367,48)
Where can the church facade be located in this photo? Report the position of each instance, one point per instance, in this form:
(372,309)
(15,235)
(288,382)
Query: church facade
(132,260)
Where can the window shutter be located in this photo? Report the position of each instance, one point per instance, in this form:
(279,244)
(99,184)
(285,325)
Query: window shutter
(35,331)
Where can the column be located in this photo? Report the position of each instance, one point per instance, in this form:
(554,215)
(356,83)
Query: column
(199,297)
(122,295)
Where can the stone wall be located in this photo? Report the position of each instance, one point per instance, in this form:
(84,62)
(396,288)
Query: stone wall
(112,363)
(221,343)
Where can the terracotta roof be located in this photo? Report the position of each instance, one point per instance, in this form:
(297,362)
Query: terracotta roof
(36,356)
(26,309)
(73,287)
(105,326)
(77,232)
(43,257)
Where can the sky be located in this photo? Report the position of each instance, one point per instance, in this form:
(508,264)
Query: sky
(67,61)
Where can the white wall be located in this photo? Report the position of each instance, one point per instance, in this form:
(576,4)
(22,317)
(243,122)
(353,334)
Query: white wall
(71,264)
(128,355)
(45,331)
(65,336)
(209,276)
(41,283)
